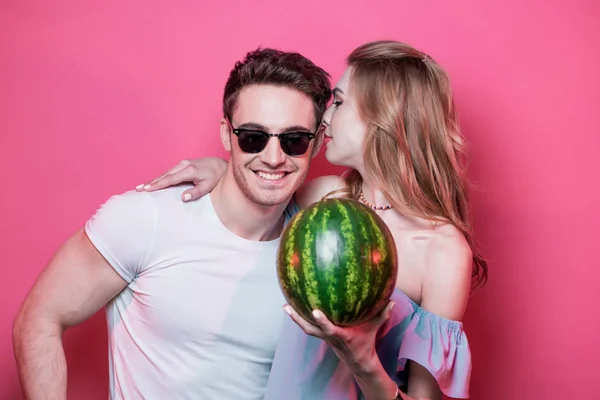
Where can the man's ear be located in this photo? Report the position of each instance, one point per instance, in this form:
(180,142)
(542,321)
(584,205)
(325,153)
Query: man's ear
(226,134)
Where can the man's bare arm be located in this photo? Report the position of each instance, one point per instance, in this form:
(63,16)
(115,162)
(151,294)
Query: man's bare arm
(76,283)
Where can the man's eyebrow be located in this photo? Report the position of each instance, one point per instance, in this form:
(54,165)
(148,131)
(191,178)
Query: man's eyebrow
(253,125)
(260,127)
(296,128)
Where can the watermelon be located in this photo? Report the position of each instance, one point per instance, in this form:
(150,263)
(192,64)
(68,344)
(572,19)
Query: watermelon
(337,256)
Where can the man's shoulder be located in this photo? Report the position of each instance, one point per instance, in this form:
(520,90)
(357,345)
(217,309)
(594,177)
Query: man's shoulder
(171,212)
(134,204)
(171,196)
(126,203)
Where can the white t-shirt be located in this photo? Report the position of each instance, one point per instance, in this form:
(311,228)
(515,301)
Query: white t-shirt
(202,313)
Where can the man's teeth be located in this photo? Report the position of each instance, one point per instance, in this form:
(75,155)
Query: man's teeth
(271,177)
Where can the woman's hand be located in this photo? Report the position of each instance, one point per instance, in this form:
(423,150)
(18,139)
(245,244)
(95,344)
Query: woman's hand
(204,173)
(354,345)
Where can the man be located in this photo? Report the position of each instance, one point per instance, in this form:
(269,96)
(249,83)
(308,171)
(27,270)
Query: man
(193,304)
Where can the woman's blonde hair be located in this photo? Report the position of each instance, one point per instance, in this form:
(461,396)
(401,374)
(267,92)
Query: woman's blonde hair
(413,147)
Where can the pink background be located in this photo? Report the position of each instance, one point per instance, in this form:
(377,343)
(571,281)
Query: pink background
(95,99)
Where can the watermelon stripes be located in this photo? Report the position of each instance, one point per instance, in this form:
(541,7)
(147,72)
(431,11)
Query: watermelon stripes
(339,257)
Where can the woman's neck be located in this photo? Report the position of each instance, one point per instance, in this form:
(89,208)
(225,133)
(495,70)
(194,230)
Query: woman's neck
(373,194)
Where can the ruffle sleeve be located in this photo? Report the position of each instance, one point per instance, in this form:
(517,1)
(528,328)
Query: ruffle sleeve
(441,346)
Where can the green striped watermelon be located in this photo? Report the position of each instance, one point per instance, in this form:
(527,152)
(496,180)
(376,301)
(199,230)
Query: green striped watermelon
(339,257)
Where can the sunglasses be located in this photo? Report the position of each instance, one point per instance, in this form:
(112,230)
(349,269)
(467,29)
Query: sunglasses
(254,140)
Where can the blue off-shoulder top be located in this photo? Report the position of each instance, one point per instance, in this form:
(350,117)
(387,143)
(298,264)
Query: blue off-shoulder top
(306,368)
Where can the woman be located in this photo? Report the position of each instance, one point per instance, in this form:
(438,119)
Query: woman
(393,123)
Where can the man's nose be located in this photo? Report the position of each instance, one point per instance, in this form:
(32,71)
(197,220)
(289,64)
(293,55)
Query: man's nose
(272,154)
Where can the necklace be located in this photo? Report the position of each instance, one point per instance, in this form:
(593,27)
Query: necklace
(373,206)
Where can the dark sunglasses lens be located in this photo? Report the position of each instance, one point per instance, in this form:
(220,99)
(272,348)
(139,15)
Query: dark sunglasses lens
(295,144)
(252,142)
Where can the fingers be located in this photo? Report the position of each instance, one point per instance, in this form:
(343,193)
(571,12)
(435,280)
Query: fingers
(306,326)
(384,315)
(200,189)
(187,174)
(150,186)
(326,326)
(334,335)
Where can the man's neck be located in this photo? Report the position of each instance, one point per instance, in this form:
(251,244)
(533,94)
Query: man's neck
(244,217)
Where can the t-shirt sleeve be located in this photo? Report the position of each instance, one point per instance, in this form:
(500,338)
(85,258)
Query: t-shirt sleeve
(123,230)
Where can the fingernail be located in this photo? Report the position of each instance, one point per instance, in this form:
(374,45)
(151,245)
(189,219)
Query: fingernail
(146,187)
(187,196)
(316,314)
(287,310)
(392,306)
(138,187)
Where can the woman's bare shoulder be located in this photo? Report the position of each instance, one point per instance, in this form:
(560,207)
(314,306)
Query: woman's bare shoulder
(317,188)
(446,287)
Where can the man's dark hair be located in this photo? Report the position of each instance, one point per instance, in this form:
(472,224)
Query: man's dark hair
(274,67)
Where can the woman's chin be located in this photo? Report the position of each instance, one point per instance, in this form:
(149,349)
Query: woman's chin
(329,155)
(334,159)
